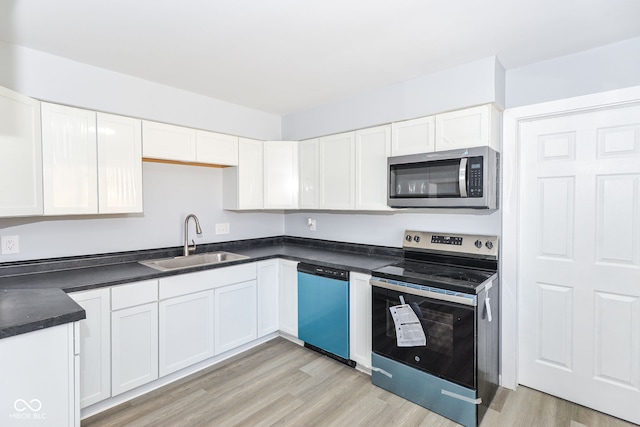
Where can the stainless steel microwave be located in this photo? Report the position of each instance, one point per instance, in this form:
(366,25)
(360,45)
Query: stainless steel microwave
(463,178)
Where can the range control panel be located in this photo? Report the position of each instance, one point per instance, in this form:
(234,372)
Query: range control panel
(463,244)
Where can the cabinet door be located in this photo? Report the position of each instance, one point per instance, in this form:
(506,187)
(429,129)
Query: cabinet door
(280,174)
(360,319)
(235,315)
(250,174)
(38,371)
(20,155)
(216,148)
(243,185)
(186,331)
(288,297)
(308,173)
(471,127)
(373,147)
(119,164)
(268,285)
(134,347)
(69,160)
(413,136)
(168,142)
(337,171)
(95,346)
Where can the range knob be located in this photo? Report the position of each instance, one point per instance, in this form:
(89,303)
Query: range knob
(416,239)
(478,244)
(489,244)
(408,238)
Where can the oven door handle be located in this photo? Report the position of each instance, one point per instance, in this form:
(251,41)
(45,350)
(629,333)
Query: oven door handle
(469,300)
(462,177)
(382,371)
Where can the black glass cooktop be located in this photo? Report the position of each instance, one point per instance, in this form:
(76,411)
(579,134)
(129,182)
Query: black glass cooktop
(456,278)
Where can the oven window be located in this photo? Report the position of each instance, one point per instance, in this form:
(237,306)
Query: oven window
(449,329)
(440,331)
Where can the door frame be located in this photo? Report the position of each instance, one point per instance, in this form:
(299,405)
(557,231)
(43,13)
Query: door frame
(509,258)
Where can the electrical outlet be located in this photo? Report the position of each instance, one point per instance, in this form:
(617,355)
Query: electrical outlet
(222,228)
(312,224)
(10,245)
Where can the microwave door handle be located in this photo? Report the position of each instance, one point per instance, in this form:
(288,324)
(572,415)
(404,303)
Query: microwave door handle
(462,177)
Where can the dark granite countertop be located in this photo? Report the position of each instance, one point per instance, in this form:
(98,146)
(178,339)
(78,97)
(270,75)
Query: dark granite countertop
(37,289)
(27,310)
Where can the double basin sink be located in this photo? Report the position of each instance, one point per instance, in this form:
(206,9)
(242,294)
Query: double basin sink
(179,262)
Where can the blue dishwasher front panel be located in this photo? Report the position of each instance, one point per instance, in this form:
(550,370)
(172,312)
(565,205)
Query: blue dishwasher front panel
(323,313)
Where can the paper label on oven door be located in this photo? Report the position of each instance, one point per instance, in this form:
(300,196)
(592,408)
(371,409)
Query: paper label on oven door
(409,330)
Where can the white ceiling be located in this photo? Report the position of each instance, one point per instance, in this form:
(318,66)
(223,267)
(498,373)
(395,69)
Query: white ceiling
(283,56)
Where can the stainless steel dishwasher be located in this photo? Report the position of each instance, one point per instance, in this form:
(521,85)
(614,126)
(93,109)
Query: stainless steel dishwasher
(323,310)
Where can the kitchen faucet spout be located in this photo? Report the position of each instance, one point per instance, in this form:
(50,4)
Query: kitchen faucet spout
(188,249)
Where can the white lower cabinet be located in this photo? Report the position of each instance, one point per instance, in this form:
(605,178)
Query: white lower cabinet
(267,290)
(235,315)
(95,345)
(288,297)
(38,378)
(186,331)
(360,319)
(134,335)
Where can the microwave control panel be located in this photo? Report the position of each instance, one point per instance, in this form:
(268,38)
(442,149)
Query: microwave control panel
(475,176)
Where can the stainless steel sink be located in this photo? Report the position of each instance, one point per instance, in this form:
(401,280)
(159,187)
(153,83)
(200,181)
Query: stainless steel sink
(209,258)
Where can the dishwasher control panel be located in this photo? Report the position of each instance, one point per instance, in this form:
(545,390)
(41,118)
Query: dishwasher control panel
(332,273)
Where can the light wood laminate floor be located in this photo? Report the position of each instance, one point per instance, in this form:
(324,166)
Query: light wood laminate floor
(280,383)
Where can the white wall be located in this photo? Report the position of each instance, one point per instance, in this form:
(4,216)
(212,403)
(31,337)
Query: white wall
(386,228)
(614,66)
(469,84)
(55,79)
(171,192)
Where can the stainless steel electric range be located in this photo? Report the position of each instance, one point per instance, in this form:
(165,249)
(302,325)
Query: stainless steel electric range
(435,324)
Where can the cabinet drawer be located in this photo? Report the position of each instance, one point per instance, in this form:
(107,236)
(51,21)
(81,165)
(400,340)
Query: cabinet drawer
(184,284)
(134,294)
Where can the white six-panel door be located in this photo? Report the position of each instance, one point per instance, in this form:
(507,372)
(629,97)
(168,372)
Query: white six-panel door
(579,258)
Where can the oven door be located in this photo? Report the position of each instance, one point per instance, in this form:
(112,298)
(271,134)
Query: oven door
(449,328)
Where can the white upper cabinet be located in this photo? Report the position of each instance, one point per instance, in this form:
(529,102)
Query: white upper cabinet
(216,148)
(373,147)
(168,142)
(413,136)
(92,162)
(119,164)
(337,171)
(243,184)
(20,155)
(308,173)
(69,160)
(280,174)
(471,127)
(181,144)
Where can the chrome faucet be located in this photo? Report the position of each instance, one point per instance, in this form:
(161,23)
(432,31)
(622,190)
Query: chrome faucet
(188,249)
